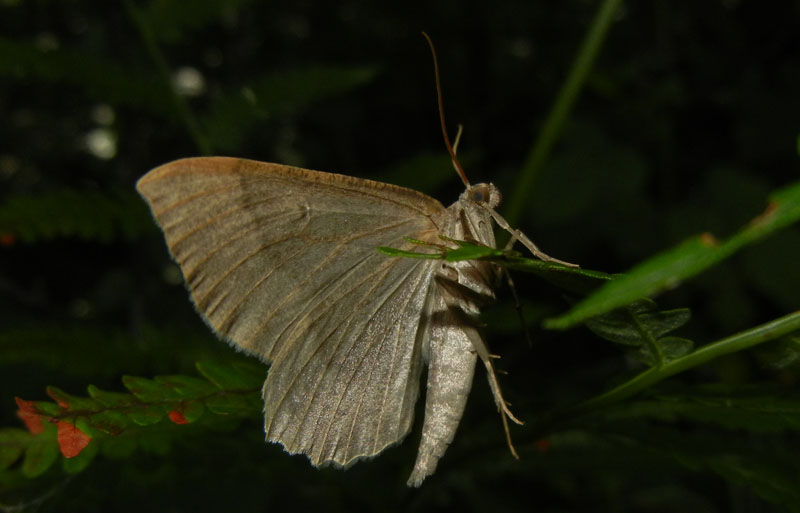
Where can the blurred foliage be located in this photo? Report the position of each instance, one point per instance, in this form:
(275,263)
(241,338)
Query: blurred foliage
(687,121)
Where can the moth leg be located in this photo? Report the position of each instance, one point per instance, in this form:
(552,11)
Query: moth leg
(517,235)
(502,405)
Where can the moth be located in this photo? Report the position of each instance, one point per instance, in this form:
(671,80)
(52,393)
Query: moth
(282,263)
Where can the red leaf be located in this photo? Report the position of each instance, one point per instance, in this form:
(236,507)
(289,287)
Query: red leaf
(71,440)
(57,398)
(27,412)
(542,445)
(177,417)
(7,239)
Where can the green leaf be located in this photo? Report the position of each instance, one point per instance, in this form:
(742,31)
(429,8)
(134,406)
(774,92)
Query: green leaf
(148,390)
(783,353)
(146,415)
(71,403)
(617,326)
(193,410)
(111,399)
(110,422)
(186,387)
(671,267)
(13,442)
(83,423)
(394,252)
(231,377)
(235,404)
(109,418)
(48,409)
(675,347)
(769,331)
(41,453)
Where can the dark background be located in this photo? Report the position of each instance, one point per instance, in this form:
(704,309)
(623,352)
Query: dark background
(689,118)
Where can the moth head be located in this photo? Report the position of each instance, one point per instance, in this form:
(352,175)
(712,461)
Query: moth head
(483,194)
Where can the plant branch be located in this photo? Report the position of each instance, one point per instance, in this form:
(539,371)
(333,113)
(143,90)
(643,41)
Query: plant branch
(744,340)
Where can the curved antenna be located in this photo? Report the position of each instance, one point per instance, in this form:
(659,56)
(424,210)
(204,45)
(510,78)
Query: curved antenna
(456,163)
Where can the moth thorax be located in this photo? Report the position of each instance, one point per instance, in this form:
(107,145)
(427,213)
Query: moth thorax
(484,194)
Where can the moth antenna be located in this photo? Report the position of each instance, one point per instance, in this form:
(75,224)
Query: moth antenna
(455,146)
(458,137)
(450,149)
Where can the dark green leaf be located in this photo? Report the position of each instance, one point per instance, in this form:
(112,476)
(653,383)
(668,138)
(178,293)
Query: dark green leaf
(675,347)
(235,404)
(669,268)
(47,408)
(148,390)
(186,387)
(783,353)
(641,325)
(111,399)
(13,442)
(146,415)
(72,403)
(193,410)
(231,377)
(110,422)
(619,326)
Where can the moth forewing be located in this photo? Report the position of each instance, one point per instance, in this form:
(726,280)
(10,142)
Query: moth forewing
(282,262)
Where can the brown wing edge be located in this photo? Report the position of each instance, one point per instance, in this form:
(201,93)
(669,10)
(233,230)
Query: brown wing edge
(420,202)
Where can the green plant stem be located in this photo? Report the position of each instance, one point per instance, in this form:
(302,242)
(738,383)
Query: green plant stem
(181,108)
(746,339)
(565,99)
